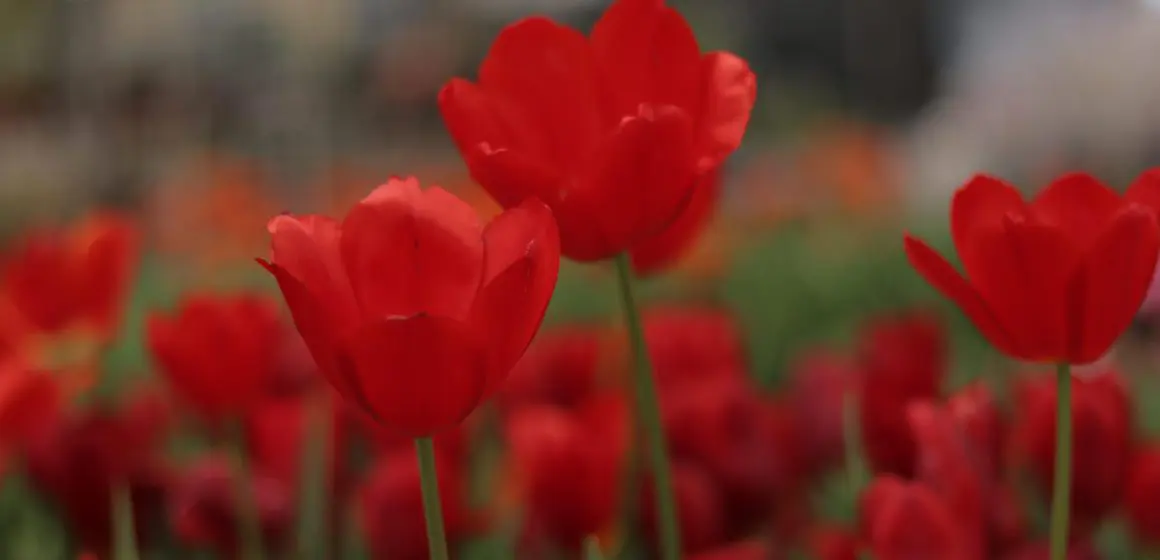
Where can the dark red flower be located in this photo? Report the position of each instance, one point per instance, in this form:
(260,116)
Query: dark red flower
(664,249)
(723,426)
(79,457)
(204,508)
(983,425)
(903,360)
(948,465)
(819,384)
(559,368)
(701,512)
(392,506)
(1101,441)
(902,520)
(218,352)
(747,550)
(1054,280)
(612,131)
(76,277)
(1042,551)
(831,543)
(692,344)
(1141,507)
(569,469)
(29,401)
(412,309)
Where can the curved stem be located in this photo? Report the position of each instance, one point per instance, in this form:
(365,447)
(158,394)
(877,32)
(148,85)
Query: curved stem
(249,524)
(649,414)
(1061,488)
(432,508)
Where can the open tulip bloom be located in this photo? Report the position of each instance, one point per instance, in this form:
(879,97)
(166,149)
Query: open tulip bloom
(1054,280)
(415,311)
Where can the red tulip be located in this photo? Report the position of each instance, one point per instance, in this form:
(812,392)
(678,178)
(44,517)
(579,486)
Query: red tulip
(612,131)
(949,465)
(204,510)
(819,383)
(723,427)
(77,277)
(750,550)
(664,249)
(903,360)
(1042,551)
(218,352)
(412,309)
(1141,508)
(80,457)
(569,471)
(1101,441)
(559,368)
(829,543)
(690,344)
(1054,280)
(983,426)
(392,507)
(700,509)
(29,400)
(903,520)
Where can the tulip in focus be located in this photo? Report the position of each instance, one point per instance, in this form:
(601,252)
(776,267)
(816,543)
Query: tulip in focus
(1054,280)
(614,131)
(414,311)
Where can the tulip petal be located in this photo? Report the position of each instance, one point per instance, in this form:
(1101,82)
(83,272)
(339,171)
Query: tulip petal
(1024,279)
(1112,283)
(523,261)
(320,331)
(944,278)
(410,251)
(977,206)
(420,375)
(643,177)
(307,248)
(728,92)
(663,249)
(545,69)
(648,51)
(1079,205)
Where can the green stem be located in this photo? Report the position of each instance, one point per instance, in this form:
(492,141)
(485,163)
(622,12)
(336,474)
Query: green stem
(649,413)
(1061,494)
(312,522)
(432,508)
(592,549)
(249,523)
(124,532)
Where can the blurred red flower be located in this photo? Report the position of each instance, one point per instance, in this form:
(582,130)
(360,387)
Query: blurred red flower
(559,368)
(902,520)
(77,277)
(1042,551)
(693,344)
(412,309)
(1101,448)
(700,509)
(903,359)
(748,550)
(568,467)
(663,250)
(79,457)
(1054,280)
(819,383)
(1141,508)
(833,543)
(612,131)
(218,352)
(392,506)
(203,508)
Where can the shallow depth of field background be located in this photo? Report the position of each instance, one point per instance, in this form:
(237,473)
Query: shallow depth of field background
(203,118)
